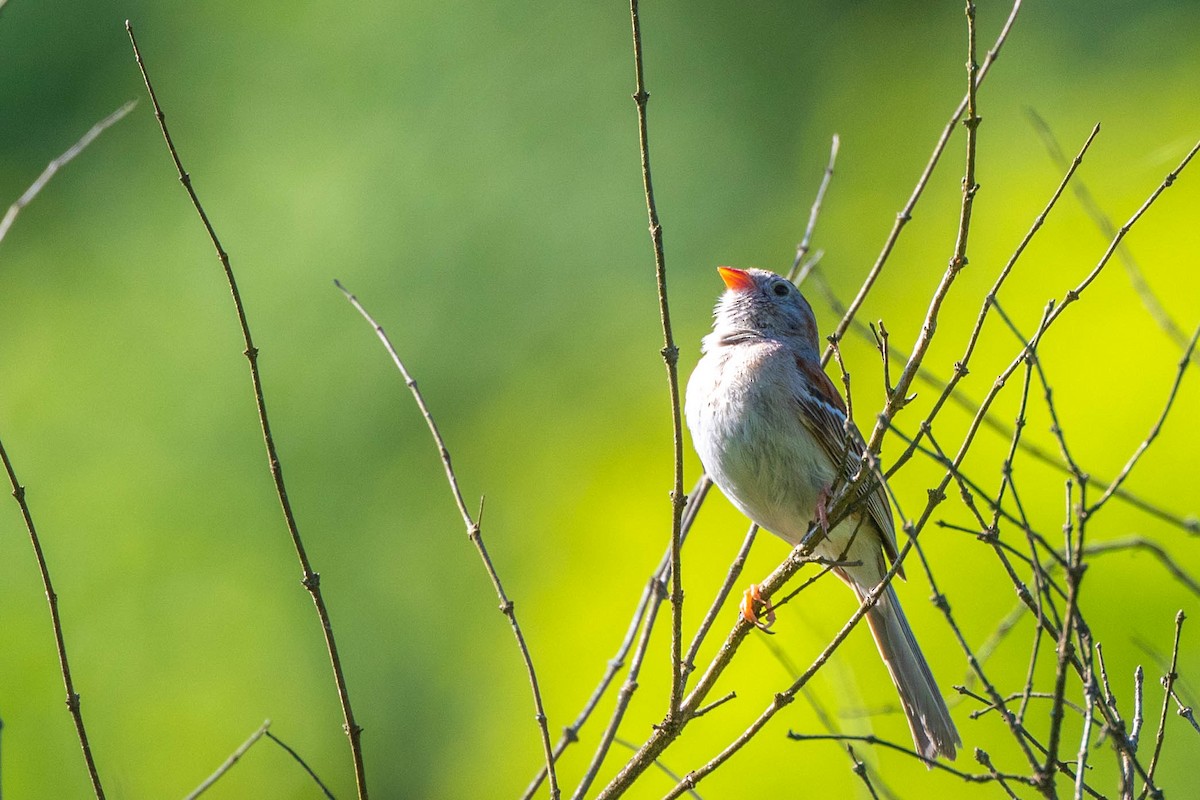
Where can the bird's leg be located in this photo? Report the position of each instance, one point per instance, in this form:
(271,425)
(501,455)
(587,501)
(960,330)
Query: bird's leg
(823,498)
(754,605)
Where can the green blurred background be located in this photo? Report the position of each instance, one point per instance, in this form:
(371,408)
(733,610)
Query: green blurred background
(470,170)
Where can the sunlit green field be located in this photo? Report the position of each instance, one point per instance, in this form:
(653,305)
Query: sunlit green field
(471,172)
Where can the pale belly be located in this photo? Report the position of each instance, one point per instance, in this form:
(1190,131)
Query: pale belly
(753,444)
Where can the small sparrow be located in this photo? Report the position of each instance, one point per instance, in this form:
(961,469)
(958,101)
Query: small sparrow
(770,429)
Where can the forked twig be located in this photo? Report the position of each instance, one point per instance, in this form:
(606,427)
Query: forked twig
(310,578)
(229,762)
(301,762)
(1105,225)
(646,612)
(905,214)
(474,533)
(1168,682)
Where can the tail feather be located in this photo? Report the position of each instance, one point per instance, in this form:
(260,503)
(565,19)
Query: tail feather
(929,720)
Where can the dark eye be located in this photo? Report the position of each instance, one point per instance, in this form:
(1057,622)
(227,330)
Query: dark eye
(781,289)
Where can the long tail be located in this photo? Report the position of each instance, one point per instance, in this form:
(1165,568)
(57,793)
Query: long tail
(929,720)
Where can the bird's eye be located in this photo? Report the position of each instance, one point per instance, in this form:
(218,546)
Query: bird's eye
(781,289)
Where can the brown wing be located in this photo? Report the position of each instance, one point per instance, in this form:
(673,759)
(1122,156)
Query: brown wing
(824,414)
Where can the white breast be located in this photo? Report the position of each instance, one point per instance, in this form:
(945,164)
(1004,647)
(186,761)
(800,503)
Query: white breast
(744,417)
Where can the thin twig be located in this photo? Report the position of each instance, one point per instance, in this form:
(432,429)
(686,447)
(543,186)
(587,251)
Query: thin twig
(652,596)
(731,577)
(877,741)
(986,761)
(624,697)
(670,355)
(18,491)
(1117,728)
(1139,681)
(1184,361)
(666,770)
(301,762)
(1183,710)
(794,274)
(906,213)
(310,579)
(1152,547)
(1089,696)
(1102,221)
(474,533)
(958,259)
(229,762)
(54,166)
(73,704)
(1168,682)
(860,769)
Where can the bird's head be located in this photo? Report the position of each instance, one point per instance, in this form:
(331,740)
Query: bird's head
(759,303)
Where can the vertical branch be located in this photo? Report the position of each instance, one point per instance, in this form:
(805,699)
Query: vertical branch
(979,73)
(311,579)
(474,533)
(1089,696)
(18,492)
(1046,774)
(958,260)
(670,354)
(1168,682)
(961,367)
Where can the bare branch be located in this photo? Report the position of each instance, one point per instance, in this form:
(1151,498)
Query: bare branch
(1154,430)
(302,763)
(1168,682)
(229,762)
(1108,230)
(670,354)
(930,763)
(311,580)
(906,213)
(794,274)
(474,533)
(54,166)
(60,643)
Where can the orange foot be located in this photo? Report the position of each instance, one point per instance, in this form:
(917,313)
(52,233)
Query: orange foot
(754,605)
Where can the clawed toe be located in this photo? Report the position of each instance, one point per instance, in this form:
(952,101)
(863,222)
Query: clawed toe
(754,606)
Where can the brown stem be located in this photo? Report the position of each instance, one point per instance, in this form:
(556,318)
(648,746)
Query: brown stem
(310,579)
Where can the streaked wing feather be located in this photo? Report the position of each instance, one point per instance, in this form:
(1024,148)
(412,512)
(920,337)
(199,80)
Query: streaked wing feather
(824,414)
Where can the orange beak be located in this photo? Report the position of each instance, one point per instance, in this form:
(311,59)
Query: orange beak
(736,279)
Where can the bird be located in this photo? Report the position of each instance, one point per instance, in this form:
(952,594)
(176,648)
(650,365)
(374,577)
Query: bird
(772,432)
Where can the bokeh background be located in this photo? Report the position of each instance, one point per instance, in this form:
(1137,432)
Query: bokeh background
(470,170)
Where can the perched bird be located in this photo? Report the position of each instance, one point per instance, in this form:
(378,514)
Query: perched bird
(770,429)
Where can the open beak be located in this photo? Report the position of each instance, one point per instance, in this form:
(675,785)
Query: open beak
(736,279)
